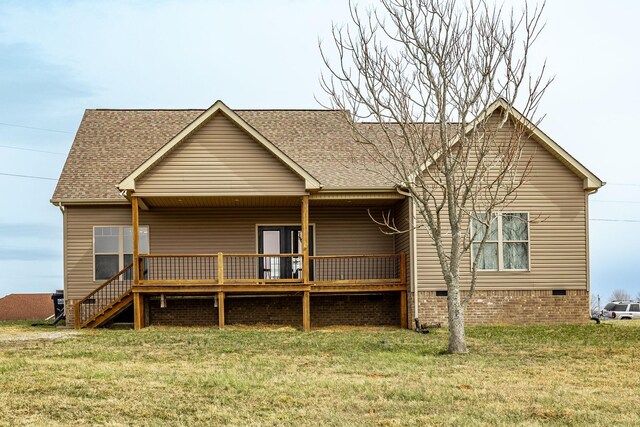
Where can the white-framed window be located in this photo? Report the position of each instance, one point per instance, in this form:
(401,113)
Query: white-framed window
(113,249)
(507,245)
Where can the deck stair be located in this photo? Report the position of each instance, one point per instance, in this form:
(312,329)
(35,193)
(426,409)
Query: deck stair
(106,301)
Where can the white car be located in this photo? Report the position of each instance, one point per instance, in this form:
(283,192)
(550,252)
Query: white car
(622,310)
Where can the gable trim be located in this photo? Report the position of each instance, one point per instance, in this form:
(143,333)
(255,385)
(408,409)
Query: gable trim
(590,181)
(129,183)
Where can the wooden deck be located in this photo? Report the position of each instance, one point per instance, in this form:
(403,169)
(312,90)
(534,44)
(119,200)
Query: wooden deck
(221,274)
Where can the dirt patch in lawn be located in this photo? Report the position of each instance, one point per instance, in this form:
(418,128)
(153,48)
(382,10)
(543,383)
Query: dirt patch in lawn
(22,331)
(53,335)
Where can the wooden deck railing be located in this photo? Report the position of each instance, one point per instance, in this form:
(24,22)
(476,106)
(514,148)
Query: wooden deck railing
(171,268)
(222,268)
(247,268)
(358,269)
(101,298)
(271,268)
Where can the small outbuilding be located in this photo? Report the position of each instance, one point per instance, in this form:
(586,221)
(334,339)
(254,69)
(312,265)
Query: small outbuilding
(26,307)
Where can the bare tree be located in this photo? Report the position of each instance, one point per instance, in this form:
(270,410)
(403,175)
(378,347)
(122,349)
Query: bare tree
(620,295)
(426,72)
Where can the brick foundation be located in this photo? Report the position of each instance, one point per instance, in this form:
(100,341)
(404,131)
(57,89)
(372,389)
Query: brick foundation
(486,308)
(69,314)
(355,310)
(271,310)
(181,312)
(525,307)
(286,310)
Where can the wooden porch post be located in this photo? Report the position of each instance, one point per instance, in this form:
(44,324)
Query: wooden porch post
(305,239)
(221,310)
(403,310)
(138,310)
(306,311)
(306,298)
(403,268)
(220,268)
(138,301)
(136,244)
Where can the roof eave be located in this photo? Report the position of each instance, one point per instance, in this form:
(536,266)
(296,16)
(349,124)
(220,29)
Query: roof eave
(591,184)
(88,201)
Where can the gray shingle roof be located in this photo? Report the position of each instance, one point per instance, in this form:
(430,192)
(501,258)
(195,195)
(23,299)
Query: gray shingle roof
(110,144)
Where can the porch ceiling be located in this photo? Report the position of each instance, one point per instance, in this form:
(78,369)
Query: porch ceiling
(315,199)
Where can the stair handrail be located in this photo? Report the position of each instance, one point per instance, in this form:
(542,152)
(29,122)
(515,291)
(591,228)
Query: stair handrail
(109,281)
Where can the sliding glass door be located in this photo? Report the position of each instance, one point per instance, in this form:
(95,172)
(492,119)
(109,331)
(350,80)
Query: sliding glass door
(281,239)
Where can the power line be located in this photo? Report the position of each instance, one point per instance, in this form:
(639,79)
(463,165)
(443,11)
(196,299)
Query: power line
(32,149)
(614,220)
(615,201)
(34,128)
(622,184)
(27,176)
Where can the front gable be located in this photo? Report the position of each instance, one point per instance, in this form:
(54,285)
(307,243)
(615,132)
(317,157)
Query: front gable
(219,155)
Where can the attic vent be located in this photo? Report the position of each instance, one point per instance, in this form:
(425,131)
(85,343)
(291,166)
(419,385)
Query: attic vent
(441,293)
(559,292)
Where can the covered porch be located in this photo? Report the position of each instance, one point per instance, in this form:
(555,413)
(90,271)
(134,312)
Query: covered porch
(309,259)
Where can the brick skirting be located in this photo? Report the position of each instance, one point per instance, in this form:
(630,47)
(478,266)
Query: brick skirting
(199,311)
(486,308)
(286,310)
(69,313)
(523,307)
(356,310)
(271,310)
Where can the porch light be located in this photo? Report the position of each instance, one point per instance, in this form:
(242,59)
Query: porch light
(163,301)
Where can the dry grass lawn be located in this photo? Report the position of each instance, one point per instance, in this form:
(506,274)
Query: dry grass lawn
(554,375)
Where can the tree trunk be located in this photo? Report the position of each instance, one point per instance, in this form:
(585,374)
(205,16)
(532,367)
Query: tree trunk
(457,342)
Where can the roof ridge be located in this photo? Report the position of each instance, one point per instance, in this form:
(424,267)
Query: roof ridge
(146,109)
(28,293)
(320,110)
(204,109)
(395,123)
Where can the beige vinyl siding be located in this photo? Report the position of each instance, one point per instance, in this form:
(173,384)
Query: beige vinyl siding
(402,241)
(338,231)
(78,244)
(555,200)
(348,231)
(220,159)
(221,201)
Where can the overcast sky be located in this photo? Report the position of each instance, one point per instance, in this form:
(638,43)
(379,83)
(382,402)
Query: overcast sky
(60,57)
